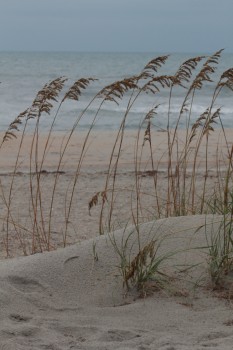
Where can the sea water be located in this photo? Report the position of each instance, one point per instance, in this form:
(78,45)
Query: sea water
(23,74)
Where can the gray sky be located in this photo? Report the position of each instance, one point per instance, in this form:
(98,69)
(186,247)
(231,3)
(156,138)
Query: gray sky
(116,25)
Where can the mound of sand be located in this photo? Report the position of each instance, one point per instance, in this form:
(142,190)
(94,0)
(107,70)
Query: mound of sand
(66,299)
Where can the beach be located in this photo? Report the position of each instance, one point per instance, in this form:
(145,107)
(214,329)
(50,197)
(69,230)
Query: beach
(74,297)
(116,175)
(90,177)
(68,300)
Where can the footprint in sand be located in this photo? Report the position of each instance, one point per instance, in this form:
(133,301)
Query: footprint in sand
(79,333)
(25,285)
(9,345)
(19,318)
(117,335)
(26,331)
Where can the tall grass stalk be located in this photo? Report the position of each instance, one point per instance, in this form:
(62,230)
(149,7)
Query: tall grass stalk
(184,192)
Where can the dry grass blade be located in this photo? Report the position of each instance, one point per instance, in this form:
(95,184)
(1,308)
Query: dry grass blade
(75,90)
(14,126)
(154,65)
(205,121)
(148,117)
(211,120)
(95,199)
(147,266)
(48,93)
(227,79)
(208,68)
(116,91)
(156,83)
(199,123)
(140,260)
(184,72)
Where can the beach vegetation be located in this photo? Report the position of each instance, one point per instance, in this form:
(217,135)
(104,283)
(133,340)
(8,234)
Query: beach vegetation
(172,177)
(220,253)
(144,269)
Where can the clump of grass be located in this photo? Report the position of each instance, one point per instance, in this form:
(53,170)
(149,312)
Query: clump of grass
(145,266)
(142,266)
(220,252)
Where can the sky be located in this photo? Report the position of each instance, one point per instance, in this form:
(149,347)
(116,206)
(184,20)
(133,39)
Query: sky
(116,25)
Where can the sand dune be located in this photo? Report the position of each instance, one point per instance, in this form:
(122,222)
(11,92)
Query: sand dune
(67,300)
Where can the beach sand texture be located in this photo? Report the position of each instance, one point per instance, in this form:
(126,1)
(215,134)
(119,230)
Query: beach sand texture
(66,299)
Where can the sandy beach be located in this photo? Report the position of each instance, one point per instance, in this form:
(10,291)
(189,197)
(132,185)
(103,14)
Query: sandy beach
(116,175)
(91,179)
(67,300)
(73,297)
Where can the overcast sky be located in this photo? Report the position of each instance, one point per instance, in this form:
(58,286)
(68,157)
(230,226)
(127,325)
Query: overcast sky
(116,25)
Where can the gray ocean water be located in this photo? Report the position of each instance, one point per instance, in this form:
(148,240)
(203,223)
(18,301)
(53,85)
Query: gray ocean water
(22,75)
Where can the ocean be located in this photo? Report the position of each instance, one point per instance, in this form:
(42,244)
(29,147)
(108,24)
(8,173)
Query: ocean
(23,74)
